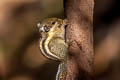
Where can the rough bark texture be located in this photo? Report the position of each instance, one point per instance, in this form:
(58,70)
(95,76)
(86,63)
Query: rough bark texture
(80,34)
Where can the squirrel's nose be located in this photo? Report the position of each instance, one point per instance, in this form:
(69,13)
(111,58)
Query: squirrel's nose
(42,29)
(38,25)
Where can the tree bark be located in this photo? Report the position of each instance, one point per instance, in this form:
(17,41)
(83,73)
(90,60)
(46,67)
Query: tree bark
(80,35)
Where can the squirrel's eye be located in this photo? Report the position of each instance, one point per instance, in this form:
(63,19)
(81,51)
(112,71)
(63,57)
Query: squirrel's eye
(47,29)
(53,22)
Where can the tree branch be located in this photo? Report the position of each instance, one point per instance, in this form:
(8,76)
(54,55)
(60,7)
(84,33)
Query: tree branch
(80,33)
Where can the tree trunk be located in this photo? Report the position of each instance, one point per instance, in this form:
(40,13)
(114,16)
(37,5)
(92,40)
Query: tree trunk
(80,35)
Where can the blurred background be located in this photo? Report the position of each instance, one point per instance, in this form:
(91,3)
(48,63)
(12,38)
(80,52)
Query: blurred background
(20,57)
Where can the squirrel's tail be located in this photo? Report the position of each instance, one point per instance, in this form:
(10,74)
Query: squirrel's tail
(62,71)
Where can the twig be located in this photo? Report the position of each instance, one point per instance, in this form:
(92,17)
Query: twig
(80,33)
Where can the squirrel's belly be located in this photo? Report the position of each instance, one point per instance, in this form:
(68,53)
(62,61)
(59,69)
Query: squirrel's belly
(57,47)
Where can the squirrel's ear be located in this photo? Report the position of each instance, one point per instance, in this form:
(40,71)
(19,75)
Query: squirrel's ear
(65,21)
(38,25)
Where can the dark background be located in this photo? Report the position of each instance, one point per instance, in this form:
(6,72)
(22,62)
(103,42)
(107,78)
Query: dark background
(20,57)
